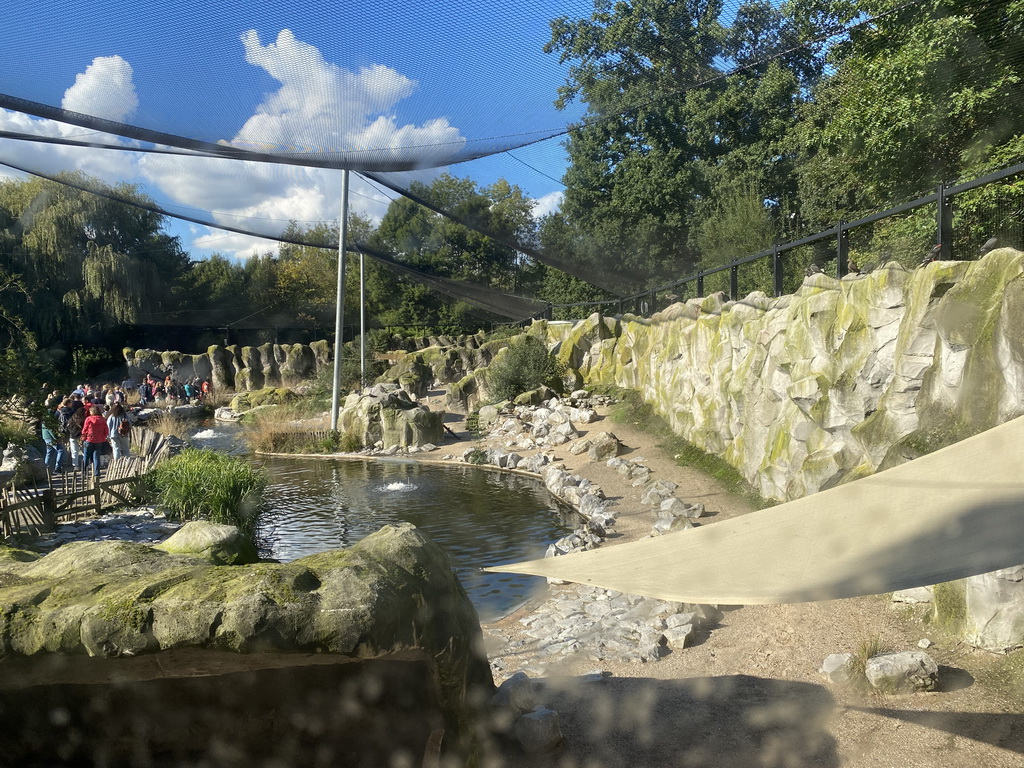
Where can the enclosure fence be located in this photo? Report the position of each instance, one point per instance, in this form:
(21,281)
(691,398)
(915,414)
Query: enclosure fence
(780,270)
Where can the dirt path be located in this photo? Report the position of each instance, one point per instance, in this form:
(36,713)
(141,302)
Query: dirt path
(748,693)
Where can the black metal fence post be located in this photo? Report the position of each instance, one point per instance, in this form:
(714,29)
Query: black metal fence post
(842,250)
(734,282)
(700,285)
(777,270)
(944,222)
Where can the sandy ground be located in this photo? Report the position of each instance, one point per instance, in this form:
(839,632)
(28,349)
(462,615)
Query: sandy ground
(749,692)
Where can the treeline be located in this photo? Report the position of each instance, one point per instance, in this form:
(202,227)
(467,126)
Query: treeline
(676,167)
(81,271)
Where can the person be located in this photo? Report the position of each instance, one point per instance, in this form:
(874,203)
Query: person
(52,402)
(75,424)
(94,435)
(128,385)
(55,453)
(120,435)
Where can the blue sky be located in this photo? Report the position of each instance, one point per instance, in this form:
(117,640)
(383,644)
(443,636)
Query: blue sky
(310,74)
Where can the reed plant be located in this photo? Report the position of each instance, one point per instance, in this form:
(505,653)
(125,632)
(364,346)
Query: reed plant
(171,423)
(295,428)
(200,484)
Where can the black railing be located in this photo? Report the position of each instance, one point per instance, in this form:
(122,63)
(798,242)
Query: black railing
(644,303)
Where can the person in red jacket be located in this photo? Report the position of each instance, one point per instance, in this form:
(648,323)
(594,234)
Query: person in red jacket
(94,436)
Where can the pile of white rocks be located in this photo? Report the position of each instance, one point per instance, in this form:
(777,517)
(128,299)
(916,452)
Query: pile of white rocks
(147,525)
(608,625)
(673,514)
(526,427)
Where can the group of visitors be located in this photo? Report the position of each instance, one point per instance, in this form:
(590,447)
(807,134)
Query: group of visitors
(91,421)
(169,391)
(83,424)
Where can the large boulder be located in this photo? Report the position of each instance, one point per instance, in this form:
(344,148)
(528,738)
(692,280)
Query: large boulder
(393,591)
(385,414)
(220,544)
(995,609)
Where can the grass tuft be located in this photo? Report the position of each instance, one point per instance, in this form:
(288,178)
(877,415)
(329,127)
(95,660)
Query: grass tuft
(201,484)
(631,409)
(872,646)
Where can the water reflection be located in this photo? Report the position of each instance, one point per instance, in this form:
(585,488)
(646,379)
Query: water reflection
(478,517)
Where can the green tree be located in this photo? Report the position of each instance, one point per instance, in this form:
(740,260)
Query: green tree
(920,96)
(88,263)
(437,245)
(667,138)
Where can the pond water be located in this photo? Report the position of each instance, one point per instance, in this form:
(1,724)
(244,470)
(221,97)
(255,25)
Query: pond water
(479,517)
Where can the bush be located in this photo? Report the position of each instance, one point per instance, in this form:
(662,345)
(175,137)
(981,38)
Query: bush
(526,365)
(17,432)
(206,485)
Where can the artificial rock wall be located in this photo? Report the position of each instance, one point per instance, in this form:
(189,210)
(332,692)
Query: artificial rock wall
(832,383)
(235,368)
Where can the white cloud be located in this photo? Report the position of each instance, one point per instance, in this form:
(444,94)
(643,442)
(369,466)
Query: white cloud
(321,107)
(318,107)
(105,89)
(240,246)
(548,203)
(302,114)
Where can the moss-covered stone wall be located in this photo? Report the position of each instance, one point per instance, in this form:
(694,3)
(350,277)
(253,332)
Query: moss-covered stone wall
(841,379)
(237,369)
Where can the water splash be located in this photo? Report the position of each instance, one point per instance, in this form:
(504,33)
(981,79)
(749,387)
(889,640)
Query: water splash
(206,434)
(399,487)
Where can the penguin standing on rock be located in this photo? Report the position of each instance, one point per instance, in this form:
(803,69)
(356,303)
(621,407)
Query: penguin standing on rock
(990,244)
(812,269)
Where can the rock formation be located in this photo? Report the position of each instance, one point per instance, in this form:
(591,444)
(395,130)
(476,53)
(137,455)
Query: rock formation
(235,368)
(387,415)
(393,590)
(839,380)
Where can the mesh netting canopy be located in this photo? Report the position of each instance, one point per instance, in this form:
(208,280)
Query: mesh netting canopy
(364,86)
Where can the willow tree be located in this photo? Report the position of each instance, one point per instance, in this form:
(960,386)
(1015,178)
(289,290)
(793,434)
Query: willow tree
(88,263)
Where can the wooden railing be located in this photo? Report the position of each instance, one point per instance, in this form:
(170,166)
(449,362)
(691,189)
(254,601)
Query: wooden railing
(76,493)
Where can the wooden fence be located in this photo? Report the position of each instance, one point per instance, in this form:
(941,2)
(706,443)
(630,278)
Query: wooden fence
(73,494)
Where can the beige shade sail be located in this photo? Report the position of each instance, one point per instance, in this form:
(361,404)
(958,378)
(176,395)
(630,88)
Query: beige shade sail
(953,513)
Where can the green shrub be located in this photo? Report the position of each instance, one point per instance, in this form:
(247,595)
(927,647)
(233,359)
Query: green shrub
(525,365)
(206,485)
(476,456)
(17,432)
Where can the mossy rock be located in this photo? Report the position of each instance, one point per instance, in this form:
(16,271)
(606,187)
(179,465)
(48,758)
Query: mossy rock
(219,544)
(245,401)
(393,591)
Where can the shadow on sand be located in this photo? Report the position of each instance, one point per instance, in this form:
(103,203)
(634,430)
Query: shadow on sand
(729,721)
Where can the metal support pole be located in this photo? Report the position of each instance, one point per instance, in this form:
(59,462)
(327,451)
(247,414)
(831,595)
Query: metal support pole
(700,285)
(944,222)
(339,329)
(842,250)
(734,282)
(362,320)
(778,271)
